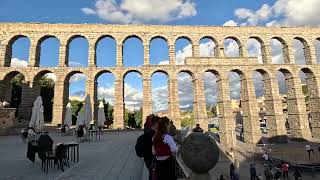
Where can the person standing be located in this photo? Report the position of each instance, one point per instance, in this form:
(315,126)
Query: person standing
(266,157)
(297,174)
(253,171)
(144,143)
(309,149)
(164,149)
(232,171)
(285,170)
(267,172)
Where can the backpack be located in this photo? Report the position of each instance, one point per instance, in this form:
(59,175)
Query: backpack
(141,146)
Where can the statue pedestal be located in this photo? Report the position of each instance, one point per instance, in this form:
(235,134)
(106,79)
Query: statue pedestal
(6,119)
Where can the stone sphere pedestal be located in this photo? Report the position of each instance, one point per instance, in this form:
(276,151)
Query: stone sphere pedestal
(200,153)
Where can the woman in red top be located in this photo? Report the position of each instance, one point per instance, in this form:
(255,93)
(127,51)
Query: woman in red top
(164,149)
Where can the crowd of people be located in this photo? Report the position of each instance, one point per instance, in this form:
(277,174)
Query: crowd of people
(158,147)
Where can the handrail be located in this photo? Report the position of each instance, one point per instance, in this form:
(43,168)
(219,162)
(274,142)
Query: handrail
(186,171)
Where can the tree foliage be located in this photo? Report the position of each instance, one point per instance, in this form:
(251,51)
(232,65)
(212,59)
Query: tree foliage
(16,82)
(76,106)
(47,94)
(108,111)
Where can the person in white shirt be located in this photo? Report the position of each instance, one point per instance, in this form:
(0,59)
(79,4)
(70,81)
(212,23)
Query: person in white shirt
(309,150)
(266,157)
(164,149)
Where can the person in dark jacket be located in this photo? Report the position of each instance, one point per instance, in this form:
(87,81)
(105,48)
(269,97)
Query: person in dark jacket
(232,171)
(148,156)
(253,172)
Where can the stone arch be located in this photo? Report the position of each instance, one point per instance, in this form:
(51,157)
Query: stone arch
(160,83)
(130,71)
(262,54)
(38,48)
(132,36)
(189,72)
(41,74)
(160,71)
(96,76)
(272,110)
(160,37)
(312,100)
(158,50)
(69,41)
(247,105)
(45,88)
(108,40)
(215,49)
(182,48)
(284,49)
(296,108)
(8,52)
(138,47)
(238,42)
(13,80)
(306,50)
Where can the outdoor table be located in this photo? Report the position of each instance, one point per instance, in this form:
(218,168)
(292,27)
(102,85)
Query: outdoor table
(94,135)
(73,151)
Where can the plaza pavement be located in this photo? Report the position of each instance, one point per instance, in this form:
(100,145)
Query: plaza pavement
(112,158)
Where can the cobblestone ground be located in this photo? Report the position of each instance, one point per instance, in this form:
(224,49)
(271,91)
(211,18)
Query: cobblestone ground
(112,158)
(245,160)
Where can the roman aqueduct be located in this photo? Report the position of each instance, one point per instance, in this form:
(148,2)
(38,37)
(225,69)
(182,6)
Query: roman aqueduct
(196,66)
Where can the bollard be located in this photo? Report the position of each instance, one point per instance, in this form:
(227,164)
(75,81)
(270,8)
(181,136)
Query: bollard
(200,153)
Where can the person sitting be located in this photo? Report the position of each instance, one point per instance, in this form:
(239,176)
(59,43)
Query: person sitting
(164,149)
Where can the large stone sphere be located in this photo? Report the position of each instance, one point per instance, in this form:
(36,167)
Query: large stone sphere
(199,152)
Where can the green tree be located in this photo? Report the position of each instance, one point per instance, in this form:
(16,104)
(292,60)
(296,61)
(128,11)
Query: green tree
(47,94)
(131,120)
(188,120)
(138,118)
(108,111)
(76,106)
(16,91)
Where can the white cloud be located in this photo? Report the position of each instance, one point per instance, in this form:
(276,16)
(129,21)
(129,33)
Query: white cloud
(106,93)
(51,76)
(183,53)
(207,49)
(88,11)
(160,98)
(77,77)
(139,11)
(133,97)
(230,23)
(75,64)
(15,62)
(231,48)
(282,13)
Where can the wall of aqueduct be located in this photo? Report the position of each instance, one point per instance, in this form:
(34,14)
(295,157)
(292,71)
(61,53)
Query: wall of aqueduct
(196,66)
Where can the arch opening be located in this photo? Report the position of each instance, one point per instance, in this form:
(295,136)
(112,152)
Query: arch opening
(160,95)
(159,51)
(77,49)
(105,49)
(300,49)
(133,95)
(183,50)
(208,47)
(105,94)
(277,51)
(254,49)
(133,52)
(48,48)
(186,98)
(18,53)
(232,47)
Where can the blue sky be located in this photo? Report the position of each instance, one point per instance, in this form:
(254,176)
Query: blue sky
(172,12)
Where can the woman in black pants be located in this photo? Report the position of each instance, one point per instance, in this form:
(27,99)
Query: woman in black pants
(164,149)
